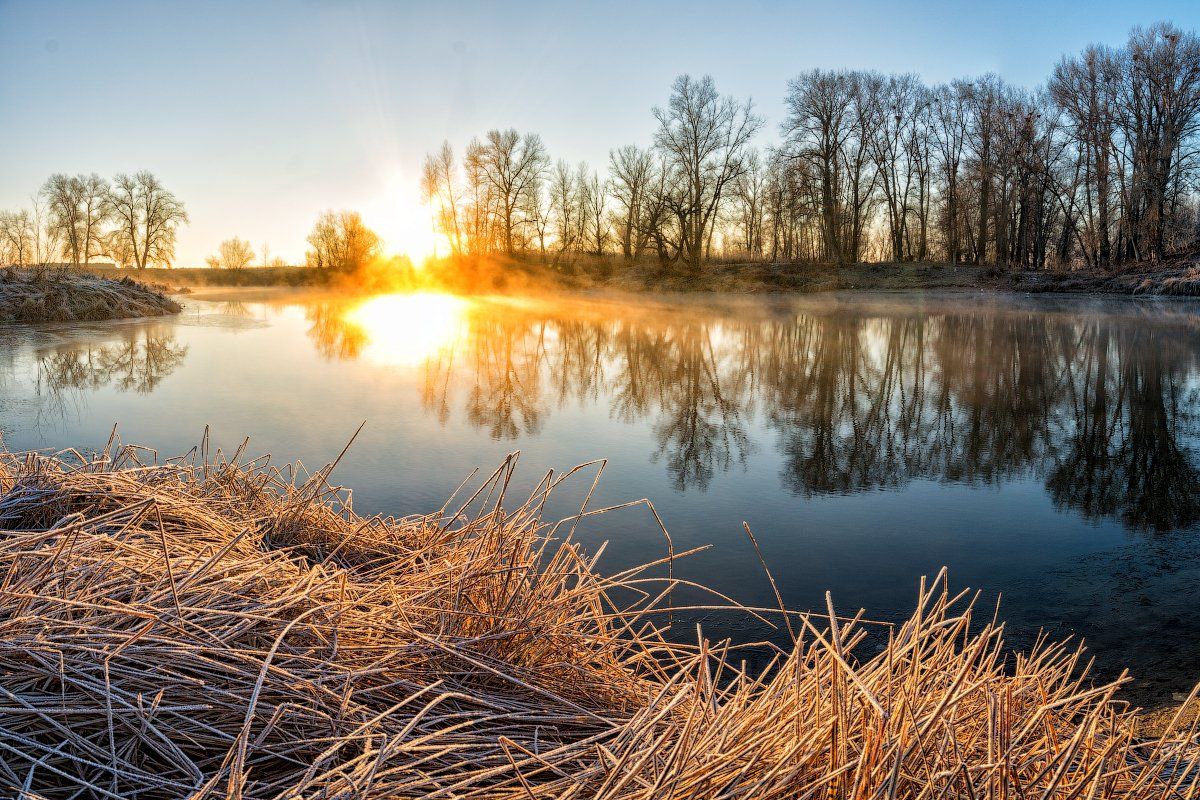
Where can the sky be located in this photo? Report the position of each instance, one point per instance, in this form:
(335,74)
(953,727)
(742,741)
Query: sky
(260,115)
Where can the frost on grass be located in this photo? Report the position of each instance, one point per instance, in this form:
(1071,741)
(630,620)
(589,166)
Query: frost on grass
(208,629)
(32,295)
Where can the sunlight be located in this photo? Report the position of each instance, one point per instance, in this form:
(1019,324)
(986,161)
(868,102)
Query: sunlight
(407,329)
(405,223)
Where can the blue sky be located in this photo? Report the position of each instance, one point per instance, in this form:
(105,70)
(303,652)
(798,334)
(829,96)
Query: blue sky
(261,114)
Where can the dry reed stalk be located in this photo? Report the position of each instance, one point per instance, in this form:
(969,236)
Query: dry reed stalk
(204,628)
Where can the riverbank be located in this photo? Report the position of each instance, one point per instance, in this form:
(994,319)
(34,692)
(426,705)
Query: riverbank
(36,296)
(167,628)
(1178,277)
(195,277)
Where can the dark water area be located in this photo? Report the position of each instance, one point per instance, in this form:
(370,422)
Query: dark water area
(1043,449)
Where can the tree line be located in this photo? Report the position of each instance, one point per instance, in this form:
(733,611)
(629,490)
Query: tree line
(131,220)
(1098,167)
(339,241)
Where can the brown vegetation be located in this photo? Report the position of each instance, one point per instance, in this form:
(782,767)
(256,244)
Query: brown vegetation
(203,276)
(38,295)
(208,629)
(1178,276)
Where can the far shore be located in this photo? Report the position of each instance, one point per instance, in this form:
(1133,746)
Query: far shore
(1180,277)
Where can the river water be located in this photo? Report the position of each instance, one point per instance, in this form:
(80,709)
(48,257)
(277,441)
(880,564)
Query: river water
(1043,449)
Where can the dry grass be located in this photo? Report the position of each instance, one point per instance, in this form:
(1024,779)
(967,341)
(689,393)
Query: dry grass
(202,628)
(38,295)
(1182,282)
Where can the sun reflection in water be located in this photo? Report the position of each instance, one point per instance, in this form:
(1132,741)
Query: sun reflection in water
(408,329)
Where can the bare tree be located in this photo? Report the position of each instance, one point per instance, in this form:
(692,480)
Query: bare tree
(511,165)
(61,194)
(341,242)
(536,212)
(564,206)
(895,104)
(984,105)
(748,192)
(582,206)
(659,220)
(16,238)
(704,138)
(595,206)
(233,253)
(1101,168)
(949,135)
(438,186)
(1085,89)
(630,169)
(78,211)
(479,209)
(93,195)
(819,128)
(1160,110)
(47,239)
(147,217)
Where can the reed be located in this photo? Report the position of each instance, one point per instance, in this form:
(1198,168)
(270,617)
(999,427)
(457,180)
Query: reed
(214,627)
(55,295)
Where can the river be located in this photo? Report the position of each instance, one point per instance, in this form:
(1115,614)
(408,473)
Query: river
(1043,449)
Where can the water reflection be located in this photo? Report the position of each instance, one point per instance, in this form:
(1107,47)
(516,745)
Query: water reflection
(771,411)
(400,330)
(1099,407)
(334,335)
(138,361)
(51,375)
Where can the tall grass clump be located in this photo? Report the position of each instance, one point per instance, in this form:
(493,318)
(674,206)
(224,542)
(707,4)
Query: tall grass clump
(45,295)
(211,627)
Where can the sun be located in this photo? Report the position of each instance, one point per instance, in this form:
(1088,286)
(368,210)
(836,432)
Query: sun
(408,329)
(405,224)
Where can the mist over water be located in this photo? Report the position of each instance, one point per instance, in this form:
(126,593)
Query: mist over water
(1042,449)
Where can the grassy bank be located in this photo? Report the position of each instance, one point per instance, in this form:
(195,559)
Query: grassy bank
(1180,276)
(205,629)
(31,296)
(267,276)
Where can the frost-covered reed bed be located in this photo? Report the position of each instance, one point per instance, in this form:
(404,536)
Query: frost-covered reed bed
(211,627)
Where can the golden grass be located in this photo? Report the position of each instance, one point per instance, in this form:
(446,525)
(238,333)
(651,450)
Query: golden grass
(204,628)
(39,295)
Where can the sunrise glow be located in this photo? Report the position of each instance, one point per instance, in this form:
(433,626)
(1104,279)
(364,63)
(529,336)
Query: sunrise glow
(407,329)
(405,223)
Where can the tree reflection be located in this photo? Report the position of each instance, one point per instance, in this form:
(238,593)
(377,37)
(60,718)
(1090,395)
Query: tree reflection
(856,399)
(138,362)
(1123,455)
(505,396)
(332,331)
(700,426)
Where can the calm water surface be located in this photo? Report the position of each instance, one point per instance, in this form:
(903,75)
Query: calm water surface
(1044,450)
